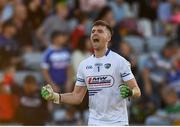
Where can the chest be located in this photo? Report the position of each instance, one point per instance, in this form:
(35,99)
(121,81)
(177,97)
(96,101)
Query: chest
(58,57)
(100,74)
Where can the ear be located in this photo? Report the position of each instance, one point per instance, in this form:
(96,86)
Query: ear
(109,36)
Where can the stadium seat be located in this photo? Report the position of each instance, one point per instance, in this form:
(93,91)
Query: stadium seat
(32,60)
(20,75)
(137,43)
(156,43)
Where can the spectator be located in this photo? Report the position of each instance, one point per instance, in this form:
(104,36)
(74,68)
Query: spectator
(56,63)
(170,114)
(9,101)
(32,109)
(148,9)
(173,76)
(7,106)
(36,14)
(80,30)
(7,40)
(172,107)
(82,52)
(164,11)
(54,22)
(156,68)
(23,27)
(8,45)
(106,14)
(126,51)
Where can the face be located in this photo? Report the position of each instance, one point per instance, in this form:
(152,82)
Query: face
(29,88)
(169,53)
(100,36)
(62,10)
(125,49)
(11,30)
(61,40)
(171,99)
(109,17)
(21,12)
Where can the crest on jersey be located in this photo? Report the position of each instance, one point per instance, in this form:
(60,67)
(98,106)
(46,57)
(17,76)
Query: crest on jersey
(107,65)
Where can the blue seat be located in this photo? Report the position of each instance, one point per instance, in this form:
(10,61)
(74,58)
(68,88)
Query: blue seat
(156,43)
(20,75)
(136,42)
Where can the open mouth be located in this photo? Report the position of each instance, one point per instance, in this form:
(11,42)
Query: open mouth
(96,40)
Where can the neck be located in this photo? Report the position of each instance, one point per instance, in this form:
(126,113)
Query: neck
(57,46)
(100,53)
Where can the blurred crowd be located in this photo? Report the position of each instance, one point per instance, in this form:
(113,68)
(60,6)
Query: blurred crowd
(43,41)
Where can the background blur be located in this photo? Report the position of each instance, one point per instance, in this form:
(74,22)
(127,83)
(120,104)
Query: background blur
(43,41)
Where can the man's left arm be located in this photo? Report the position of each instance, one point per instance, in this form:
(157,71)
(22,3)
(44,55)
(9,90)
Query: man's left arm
(130,87)
(133,86)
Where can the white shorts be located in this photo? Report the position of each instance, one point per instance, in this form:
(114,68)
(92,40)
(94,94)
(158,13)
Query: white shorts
(109,124)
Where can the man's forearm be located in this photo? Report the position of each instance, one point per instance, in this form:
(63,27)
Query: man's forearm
(69,98)
(136,92)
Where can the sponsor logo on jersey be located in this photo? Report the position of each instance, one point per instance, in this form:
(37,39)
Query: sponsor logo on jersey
(107,65)
(89,67)
(101,81)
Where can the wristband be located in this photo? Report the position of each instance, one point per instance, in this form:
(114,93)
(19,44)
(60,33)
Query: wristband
(56,98)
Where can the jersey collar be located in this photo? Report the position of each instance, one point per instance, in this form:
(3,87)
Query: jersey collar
(107,52)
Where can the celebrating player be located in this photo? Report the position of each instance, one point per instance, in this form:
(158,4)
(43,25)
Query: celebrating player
(108,78)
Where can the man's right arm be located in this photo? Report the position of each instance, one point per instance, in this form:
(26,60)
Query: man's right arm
(73,98)
(76,97)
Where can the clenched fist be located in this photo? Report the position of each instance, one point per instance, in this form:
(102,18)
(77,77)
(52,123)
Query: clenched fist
(48,94)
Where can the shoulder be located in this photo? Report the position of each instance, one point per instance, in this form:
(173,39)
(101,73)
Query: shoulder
(48,51)
(76,53)
(115,56)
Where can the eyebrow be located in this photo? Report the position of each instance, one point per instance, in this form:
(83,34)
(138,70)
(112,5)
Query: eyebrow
(99,30)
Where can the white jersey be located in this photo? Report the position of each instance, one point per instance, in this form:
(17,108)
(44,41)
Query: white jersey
(103,76)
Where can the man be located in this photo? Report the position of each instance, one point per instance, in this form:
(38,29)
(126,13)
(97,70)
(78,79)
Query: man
(30,103)
(8,45)
(54,22)
(103,75)
(56,63)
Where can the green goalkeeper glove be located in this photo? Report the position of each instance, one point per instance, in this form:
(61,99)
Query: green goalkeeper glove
(48,94)
(125,91)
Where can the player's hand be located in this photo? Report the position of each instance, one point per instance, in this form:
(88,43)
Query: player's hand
(48,94)
(125,91)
